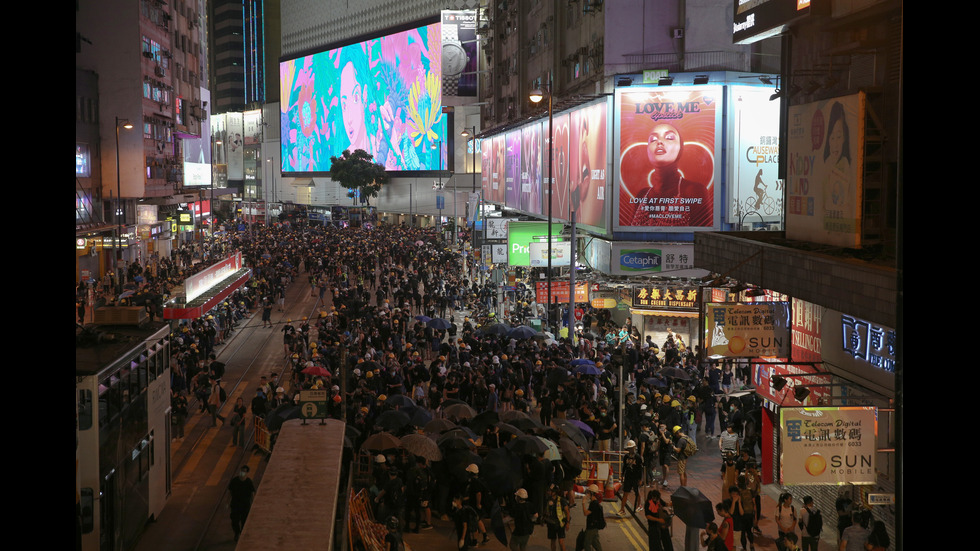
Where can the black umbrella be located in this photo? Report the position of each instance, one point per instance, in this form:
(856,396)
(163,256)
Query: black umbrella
(417,416)
(527,425)
(527,445)
(692,507)
(400,400)
(501,471)
(574,433)
(676,373)
(657,382)
(480,423)
(571,456)
(457,461)
(439,425)
(497,524)
(496,329)
(439,323)
(392,420)
(507,428)
(285,412)
(522,332)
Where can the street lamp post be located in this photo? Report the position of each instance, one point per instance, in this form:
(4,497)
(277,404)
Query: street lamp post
(536,96)
(469,133)
(117,243)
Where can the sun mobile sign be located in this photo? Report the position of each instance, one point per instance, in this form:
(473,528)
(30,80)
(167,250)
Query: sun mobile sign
(828,445)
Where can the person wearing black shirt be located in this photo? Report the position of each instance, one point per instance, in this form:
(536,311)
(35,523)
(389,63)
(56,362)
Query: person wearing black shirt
(241,490)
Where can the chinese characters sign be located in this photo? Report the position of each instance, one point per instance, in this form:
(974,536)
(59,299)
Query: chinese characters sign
(828,445)
(748,330)
(665,296)
(869,342)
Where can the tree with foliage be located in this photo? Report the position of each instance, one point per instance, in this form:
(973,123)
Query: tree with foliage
(356,172)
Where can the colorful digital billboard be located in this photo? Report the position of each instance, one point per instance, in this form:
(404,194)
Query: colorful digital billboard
(382,95)
(667,165)
(531,168)
(587,167)
(512,164)
(560,166)
(824,167)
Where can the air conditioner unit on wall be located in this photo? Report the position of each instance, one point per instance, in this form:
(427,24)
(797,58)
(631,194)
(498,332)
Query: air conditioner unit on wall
(678,32)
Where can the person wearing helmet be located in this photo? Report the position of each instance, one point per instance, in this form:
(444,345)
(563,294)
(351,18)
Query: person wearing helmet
(632,474)
(523,521)
(476,496)
(594,519)
(684,447)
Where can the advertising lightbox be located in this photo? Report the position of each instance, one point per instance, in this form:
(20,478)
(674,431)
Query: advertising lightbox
(753,184)
(561,254)
(519,237)
(824,166)
(667,167)
(512,169)
(382,95)
(588,156)
(740,330)
(828,445)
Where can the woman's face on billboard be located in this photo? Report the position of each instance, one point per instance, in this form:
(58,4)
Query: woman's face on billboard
(352,105)
(663,145)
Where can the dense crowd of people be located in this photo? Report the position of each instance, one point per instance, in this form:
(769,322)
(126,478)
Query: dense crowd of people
(371,342)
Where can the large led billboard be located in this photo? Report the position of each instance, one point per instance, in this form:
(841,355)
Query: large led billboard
(515,169)
(825,158)
(588,154)
(667,167)
(531,168)
(382,95)
(754,185)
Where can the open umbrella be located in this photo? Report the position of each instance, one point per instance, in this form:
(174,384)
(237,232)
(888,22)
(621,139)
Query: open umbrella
(439,323)
(676,373)
(497,524)
(316,371)
(655,381)
(392,420)
(436,426)
(552,453)
(692,507)
(457,461)
(400,400)
(462,432)
(581,361)
(423,319)
(422,446)
(381,441)
(281,414)
(459,411)
(570,453)
(586,369)
(417,416)
(501,471)
(513,415)
(496,329)
(527,445)
(522,332)
(507,428)
(480,423)
(574,433)
(585,428)
(527,425)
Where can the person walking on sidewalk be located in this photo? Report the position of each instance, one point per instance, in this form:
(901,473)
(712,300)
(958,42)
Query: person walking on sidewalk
(785,519)
(215,399)
(811,524)
(241,489)
(594,520)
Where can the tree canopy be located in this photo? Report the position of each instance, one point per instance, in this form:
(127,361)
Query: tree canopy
(358,173)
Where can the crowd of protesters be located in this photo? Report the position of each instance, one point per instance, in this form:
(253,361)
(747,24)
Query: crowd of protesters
(371,344)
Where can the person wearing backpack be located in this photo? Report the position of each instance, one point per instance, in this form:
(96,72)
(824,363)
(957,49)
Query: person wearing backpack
(684,447)
(811,523)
